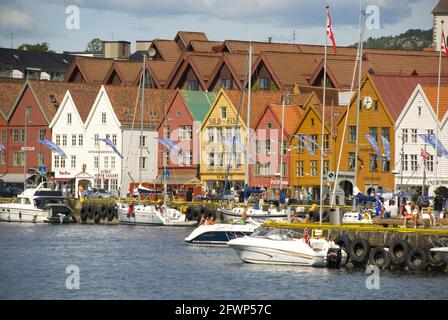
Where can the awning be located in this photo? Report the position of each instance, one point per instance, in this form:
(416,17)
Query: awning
(178,180)
(15,177)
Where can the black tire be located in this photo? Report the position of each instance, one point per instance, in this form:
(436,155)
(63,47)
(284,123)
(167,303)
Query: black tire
(110,214)
(416,260)
(97,215)
(380,257)
(434,259)
(90,213)
(343,241)
(103,212)
(398,250)
(359,251)
(83,214)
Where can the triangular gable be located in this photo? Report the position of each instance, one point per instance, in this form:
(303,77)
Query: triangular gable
(186,64)
(310,108)
(102,94)
(113,74)
(177,94)
(317,76)
(154,78)
(216,71)
(76,71)
(279,122)
(262,60)
(67,98)
(307,105)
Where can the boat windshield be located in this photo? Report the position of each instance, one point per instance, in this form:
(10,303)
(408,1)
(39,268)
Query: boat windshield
(277,234)
(22,201)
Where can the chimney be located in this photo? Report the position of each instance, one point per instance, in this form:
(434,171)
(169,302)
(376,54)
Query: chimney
(120,50)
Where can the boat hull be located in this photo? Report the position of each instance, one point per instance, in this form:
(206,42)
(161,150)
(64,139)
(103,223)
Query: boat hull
(11,214)
(229,215)
(218,234)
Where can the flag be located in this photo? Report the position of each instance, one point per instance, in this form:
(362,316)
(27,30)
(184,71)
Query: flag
(444,48)
(374,145)
(307,146)
(111,144)
(330,31)
(425,154)
(3,149)
(306,236)
(167,143)
(53,147)
(432,139)
(386,146)
(312,141)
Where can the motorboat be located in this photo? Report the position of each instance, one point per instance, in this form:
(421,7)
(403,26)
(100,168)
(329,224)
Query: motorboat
(38,205)
(219,234)
(442,251)
(357,217)
(273,213)
(287,247)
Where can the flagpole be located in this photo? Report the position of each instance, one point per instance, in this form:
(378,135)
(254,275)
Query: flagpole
(322,147)
(437,113)
(140,161)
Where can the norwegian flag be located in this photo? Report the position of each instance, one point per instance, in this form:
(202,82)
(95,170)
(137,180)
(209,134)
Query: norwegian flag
(330,31)
(306,236)
(425,154)
(444,47)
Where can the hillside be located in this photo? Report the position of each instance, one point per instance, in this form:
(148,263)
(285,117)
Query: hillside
(413,39)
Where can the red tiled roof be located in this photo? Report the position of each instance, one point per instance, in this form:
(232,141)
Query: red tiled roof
(9,92)
(168,49)
(94,70)
(188,36)
(204,46)
(431,94)
(292,117)
(84,96)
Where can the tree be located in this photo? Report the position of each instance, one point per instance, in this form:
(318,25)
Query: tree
(94,46)
(38,47)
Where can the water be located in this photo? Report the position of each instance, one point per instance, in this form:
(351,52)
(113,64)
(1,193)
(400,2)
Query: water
(129,262)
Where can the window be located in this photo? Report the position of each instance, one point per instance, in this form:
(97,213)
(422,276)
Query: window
(96,136)
(385,132)
(257,168)
(42,133)
(112,162)
(284,148)
(69,118)
(185,133)
(2,158)
(405,163)
(300,146)
(226,83)
(56,161)
(429,131)
(166,157)
(326,166)
(267,146)
(313,166)
(220,159)
(81,140)
(352,134)
(106,162)
(41,158)
(219,134)
(64,139)
(108,136)
(414,164)
(312,122)
(404,135)
(113,184)
(103,118)
(22,133)
(73,162)
(429,164)
(283,169)
(15,136)
(62,163)
(166,132)
(114,139)
(192,85)
(143,163)
(142,141)
(374,133)
(419,111)
(269,125)
(351,160)
(74,140)
(326,142)
(223,112)
(211,159)
(4,136)
(314,146)
(375,105)
(414,135)
(187,158)
(178,114)
(238,159)
(95,162)
(18,159)
(299,169)
(211,136)
(385,164)
(263,83)
(373,163)
(257,147)
(28,111)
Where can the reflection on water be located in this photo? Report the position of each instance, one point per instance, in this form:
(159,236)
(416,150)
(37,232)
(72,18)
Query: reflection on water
(129,262)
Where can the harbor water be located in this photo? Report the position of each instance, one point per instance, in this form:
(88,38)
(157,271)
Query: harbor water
(130,262)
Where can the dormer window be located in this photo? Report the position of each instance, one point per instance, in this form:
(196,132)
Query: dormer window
(69,118)
(103,118)
(223,112)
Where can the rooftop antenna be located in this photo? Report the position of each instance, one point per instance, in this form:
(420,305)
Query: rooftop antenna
(12,40)
(294,36)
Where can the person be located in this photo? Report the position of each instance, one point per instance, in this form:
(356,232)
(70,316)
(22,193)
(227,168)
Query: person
(131,210)
(212,220)
(257,203)
(261,202)
(391,209)
(414,214)
(282,197)
(403,208)
(312,213)
(244,215)
(379,208)
(202,219)
(438,207)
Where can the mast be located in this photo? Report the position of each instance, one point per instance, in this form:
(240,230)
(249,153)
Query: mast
(246,169)
(358,98)
(140,163)
(281,145)
(437,117)
(322,147)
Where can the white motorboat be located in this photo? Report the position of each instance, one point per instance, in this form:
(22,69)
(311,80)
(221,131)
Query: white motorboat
(286,247)
(152,215)
(221,233)
(357,217)
(442,251)
(37,205)
(236,212)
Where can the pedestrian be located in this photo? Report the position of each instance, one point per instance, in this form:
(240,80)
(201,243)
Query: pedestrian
(414,214)
(438,207)
(379,207)
(391,209)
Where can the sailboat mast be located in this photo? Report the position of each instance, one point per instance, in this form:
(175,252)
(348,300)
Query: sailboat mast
(322,147)
(437,117)
(282,141)
(140,162)
(246,169)
(358,98)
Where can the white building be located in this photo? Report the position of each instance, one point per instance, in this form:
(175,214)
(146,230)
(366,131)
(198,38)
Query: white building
(440,12)
(419,117)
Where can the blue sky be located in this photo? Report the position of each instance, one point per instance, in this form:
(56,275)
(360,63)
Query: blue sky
(44,20)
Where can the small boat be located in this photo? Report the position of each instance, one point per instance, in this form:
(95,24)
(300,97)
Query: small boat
(219,234)
(286,247)
(442,251)
(357,217)
(271,214)
(38,205)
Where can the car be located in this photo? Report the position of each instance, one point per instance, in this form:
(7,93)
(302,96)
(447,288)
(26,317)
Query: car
(10,192)
(99,193)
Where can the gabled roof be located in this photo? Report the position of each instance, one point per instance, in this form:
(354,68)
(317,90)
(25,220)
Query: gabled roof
(205,46)
(9,93)
(335,112)
(187,36)
(293,114)
(93,70)
(331,94)
(441,7)
(431,94)
(84,96)
(124,99)
(198,102)
(168,49)
(41,60)
(126,71)
(236,63)
(238,46)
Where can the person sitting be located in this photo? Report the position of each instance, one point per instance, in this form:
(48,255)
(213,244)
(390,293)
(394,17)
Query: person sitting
(414,214)
(212,220)
(203,218)
(244,215)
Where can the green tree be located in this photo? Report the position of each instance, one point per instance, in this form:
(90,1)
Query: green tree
(38,47)
(94,46)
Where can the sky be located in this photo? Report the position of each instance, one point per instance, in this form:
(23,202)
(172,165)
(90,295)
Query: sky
(31,21)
